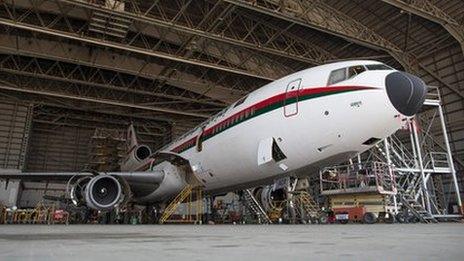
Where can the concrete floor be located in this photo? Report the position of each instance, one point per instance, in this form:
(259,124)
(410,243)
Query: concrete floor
(228,242)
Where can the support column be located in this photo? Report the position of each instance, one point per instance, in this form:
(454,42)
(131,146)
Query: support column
(450,158)
(425,192)
(390,171)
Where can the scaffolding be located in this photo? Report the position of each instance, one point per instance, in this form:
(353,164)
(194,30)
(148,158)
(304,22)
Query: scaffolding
(420,158)
(106,149)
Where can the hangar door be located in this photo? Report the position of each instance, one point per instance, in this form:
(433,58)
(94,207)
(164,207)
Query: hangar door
(291,98)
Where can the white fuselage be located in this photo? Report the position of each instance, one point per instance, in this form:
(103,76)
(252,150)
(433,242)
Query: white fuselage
(314,124)
(316,130)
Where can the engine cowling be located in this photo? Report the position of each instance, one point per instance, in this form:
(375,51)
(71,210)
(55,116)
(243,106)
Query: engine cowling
(135,157)
(103,192)
(77,192)
(269,197)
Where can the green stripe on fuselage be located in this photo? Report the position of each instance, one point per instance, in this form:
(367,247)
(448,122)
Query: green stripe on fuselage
(271,107)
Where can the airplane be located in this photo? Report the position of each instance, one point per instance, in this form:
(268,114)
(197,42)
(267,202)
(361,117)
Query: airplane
(293,126)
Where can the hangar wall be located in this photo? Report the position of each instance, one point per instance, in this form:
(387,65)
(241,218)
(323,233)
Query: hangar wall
(30,144)
(57,148)
(15,120)
(447,63)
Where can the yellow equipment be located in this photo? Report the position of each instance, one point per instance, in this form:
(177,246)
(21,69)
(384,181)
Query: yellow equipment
(194,203)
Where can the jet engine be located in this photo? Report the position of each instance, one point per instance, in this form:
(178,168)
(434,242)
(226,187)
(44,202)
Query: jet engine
(102,192)
(138,154)
(170,174)
(269,197)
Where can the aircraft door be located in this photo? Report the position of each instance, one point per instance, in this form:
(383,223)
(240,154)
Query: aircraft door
(291,98)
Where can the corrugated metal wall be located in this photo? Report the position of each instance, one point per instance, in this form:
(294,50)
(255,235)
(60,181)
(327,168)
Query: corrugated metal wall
(53,148)
(58,148)
(448,64)
(15,119)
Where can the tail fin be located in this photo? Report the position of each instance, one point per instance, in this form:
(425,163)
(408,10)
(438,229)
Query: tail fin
(131,138)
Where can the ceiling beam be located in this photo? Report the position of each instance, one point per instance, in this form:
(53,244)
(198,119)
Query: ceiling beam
(146,40)
(309,53)
(107,60)
(53,115)
(78,74)
(124,47)
(111,111)
(316,14)
(427,10)
(29,89)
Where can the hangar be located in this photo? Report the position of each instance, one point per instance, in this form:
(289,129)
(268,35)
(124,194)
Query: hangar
(74,74)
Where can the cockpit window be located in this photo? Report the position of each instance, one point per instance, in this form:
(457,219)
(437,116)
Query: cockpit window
(242,100)
(355,70)
(373,67)
(337,76)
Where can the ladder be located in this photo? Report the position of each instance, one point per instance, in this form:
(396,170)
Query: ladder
(408,186)
(175,203)
(305,200)
(416,209)
(252,204)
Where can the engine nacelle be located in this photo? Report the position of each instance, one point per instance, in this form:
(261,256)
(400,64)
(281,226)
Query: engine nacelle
(77,192)
(101,192)
(269,197)
(135,157)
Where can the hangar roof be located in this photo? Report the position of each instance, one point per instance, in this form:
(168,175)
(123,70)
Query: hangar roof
(178,61)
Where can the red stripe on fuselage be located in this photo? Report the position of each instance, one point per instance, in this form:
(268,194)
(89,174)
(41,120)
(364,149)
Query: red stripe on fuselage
(275,99)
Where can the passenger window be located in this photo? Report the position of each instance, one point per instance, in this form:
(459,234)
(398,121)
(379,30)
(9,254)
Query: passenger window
(337,76)
(355,70)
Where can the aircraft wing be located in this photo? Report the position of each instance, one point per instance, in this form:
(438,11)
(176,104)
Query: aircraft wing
(106,190)
(142,177)
(40,176)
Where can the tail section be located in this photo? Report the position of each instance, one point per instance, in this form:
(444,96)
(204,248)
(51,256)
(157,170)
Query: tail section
(131,139)
(136,153)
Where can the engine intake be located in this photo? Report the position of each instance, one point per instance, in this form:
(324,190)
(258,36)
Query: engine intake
(135,157)
(103,192)
(142,152)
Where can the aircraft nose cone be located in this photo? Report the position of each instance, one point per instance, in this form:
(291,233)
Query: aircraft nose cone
(406,92)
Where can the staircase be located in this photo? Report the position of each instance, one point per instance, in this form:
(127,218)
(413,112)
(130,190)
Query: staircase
(400,155)
(416,209)
(408,183)
(255,208)
(171,208)
(304,200)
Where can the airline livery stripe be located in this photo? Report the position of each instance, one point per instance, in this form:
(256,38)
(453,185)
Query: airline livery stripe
(265,106)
